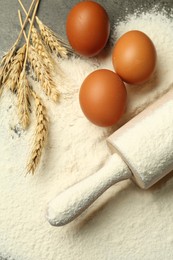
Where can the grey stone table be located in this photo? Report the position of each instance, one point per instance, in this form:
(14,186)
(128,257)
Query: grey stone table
(53,13)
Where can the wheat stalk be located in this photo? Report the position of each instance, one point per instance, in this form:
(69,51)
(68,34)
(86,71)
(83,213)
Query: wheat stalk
(23,100)
(42,74)
(16,69)
(40,134)
(29,33)
(52,41)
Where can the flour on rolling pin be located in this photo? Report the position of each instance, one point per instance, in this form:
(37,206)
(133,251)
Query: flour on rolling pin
(143,152)
(146,142)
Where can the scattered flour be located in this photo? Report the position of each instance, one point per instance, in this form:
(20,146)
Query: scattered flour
(126,222)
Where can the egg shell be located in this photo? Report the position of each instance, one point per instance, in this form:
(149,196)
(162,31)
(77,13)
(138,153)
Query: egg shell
(134,57)
(88,28)
(103,97)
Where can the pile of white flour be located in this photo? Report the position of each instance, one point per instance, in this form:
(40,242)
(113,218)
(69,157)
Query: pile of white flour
(126,222)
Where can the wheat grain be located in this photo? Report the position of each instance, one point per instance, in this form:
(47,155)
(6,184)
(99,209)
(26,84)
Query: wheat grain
(1,87)
(23,100)
(40,134)
(16,69)
(42,74)
(1,90)
(7,57)
(41,49)
(52,41)
(5,72)
(6,65)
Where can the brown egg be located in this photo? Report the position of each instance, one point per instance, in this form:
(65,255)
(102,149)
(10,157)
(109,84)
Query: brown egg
(103,97)
(87,28)
(134,57)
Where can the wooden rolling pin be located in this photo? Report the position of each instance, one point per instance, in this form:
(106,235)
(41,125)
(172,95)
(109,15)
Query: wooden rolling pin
(142,151)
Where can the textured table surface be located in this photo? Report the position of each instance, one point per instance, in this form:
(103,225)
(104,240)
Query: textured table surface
(9,25)
(53,13)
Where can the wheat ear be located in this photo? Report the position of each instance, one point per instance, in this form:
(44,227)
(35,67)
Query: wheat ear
(1,87)
(52,41)
(39,45)
(6,65)
(40,134)
(42,74)
(16,69)
(7,59)
(41,49)
(23,100)
(1,90)
(23,86)
(41,71)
